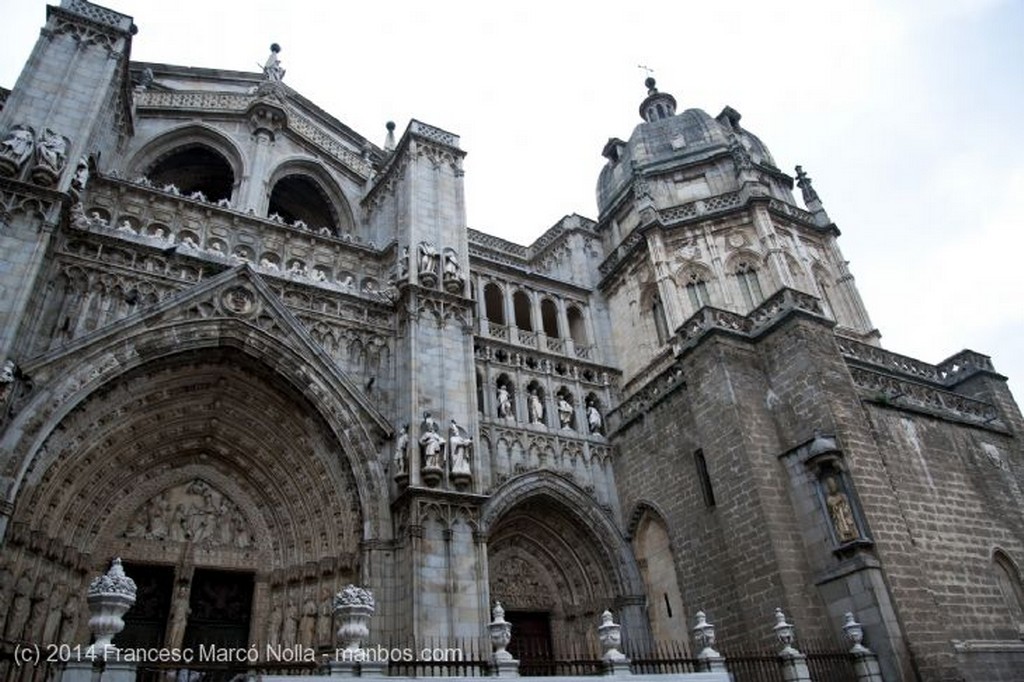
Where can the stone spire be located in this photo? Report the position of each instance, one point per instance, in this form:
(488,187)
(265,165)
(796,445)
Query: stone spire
(811,200)
(658,105)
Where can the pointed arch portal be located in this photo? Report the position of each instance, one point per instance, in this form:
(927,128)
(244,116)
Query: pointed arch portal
(203,452)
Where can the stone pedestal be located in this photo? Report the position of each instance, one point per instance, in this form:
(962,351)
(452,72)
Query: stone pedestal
(87,671)
(343,669)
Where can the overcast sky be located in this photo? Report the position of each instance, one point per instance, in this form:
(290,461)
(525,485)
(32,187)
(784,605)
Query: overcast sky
(908,115)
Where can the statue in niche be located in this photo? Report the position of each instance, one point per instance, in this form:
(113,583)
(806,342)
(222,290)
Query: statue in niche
(307,628)
(323,624)
(6,379)
(20,607)
(289,633)
(272,69)
(81,178)
(504,402)
(840,511)
(16,148)
(403,264)
(51,153)
(428,259)
(401,456)
(452,271)
(461,447)
(274,628)
(536,407)
(564,413)
(37,614)
(179,618)
(594,420)
(69,618)
(51,626)
(431,443)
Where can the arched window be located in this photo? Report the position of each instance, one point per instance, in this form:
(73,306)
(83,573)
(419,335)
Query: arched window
(577,329)
(521,306)
(494,303)
(1010,586)
(750,287)
(697,290)
(549,317)
(195,168)
(299,197)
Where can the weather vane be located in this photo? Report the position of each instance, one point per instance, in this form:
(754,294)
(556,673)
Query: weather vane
(646,68)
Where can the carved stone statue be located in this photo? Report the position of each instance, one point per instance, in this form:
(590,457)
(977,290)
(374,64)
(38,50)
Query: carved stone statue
(401,456)
(307,626)
(403,264)
(6,379)
(20,607)
(51,626)
(431,443)
(428,259)
(594,420)
(564,413)
(81,178)
(840,512)
(461,447)
(40,601)
(179,618)
(274,626)
(69,617)
(52,152)
(289,633)
(452,271)
(272,69)
(16,149)
(504,402)
(536,408)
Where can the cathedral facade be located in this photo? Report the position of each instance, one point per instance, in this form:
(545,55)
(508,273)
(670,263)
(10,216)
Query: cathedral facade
(259,357)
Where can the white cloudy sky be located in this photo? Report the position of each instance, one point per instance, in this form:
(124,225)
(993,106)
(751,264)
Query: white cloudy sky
(907,114)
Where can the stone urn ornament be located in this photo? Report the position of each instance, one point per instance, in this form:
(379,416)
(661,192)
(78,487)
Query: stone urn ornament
(501,634)
(110,596)
(786,634)
(353,607)
(610,635)
(704,636)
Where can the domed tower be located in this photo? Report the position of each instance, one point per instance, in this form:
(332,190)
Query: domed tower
(694,212)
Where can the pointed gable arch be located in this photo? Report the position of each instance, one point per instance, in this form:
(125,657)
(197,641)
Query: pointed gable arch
(235,311)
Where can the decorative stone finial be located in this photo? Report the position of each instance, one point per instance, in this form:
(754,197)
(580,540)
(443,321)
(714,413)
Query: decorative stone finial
(786,634)
(610,635)
(704,636)
(855,633)
(650,83)
(501,634)
(353,607)
(389,139)
(109,597)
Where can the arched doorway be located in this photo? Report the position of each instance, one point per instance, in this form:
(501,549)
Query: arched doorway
(556,562)
(217,451)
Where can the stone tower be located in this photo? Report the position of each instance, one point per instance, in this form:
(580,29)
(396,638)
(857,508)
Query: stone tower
(69,106)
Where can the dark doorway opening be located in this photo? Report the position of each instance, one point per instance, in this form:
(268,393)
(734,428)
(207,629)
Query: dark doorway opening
(146,621)
(531,639)
(220,605)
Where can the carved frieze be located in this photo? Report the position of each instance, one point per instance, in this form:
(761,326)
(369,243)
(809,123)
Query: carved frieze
(192,512)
